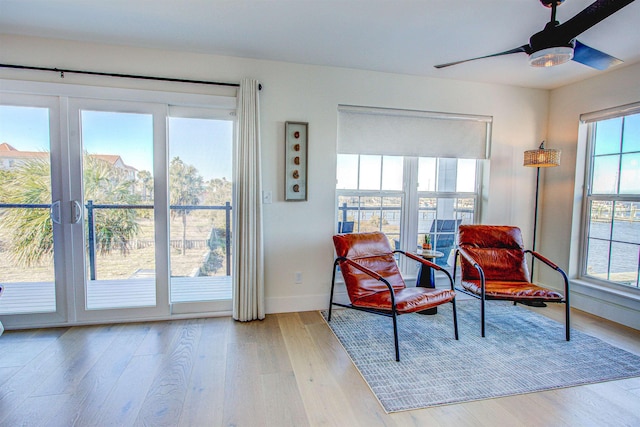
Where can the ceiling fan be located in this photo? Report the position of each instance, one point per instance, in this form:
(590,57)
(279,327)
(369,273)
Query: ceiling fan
(557,44)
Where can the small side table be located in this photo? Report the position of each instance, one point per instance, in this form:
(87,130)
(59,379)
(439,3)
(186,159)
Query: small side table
(426,275)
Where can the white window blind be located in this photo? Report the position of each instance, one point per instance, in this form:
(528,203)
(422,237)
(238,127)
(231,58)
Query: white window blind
(610,113)
(368,130)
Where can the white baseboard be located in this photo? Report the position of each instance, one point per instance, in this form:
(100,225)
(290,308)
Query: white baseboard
(302,303)
(619,306)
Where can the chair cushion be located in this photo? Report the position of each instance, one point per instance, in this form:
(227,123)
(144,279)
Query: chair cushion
(372,251)
(497,264)
(360,284)
(498,249)
(512,290)
(408,300)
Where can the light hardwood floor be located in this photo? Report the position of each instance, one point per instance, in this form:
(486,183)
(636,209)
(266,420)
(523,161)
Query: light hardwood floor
(288,370)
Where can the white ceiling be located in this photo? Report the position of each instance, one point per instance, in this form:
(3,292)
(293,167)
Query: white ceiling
(398,36)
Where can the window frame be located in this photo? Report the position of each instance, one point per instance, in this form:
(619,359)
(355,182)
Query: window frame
(589,198)
(409,209)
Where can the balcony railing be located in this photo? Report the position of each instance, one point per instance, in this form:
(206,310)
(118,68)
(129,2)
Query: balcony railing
(91,207)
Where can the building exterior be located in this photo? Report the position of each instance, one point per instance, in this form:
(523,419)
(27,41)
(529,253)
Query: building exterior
(10,158)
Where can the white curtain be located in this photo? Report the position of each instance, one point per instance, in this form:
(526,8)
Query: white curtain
(247,250)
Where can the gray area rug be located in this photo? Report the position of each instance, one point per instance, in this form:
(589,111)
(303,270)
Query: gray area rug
(523,352)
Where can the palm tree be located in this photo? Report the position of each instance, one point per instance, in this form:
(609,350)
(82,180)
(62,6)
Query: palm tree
(31,229)
(185,189)
(146,179)
(107,184)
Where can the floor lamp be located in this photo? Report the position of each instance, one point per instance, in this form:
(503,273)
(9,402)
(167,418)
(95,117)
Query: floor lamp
(539,158)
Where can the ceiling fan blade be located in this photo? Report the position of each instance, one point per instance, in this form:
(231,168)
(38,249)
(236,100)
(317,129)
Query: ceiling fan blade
(590,16)
(523,48)
(593,57)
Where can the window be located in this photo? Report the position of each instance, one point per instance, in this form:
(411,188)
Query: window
(370,194)
(407,196)
(409,174)
(447,197)
(612,209)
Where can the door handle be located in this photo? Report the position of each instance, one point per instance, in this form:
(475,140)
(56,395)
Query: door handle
(76,208)
(54,212)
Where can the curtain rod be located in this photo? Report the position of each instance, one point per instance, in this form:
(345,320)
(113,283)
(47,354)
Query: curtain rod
(128,76)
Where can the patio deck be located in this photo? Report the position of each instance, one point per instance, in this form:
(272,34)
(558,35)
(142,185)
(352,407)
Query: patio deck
(39,297)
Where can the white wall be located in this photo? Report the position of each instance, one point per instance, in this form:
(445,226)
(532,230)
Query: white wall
(298,234)
(561,214)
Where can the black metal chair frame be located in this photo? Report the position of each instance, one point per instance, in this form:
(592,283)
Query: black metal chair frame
(393,312)
(483,297)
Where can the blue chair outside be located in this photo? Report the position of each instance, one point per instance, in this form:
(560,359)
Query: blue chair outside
(443,234)
(345,227)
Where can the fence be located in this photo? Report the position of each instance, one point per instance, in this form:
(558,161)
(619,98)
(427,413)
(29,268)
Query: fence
(91,229)
(91,207)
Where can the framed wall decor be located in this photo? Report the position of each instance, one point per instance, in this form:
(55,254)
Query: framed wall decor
(295,157)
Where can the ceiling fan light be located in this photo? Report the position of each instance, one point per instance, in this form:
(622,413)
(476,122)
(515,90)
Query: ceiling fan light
(551,56)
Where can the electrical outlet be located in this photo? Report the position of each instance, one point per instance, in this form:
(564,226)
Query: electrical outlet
(298,277)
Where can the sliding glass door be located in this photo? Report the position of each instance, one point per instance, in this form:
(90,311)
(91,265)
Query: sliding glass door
(113,210)
(200,159)
(112,145)
(31,261)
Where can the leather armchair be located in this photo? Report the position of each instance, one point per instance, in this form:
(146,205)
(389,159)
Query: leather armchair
(494,267)
(374,283)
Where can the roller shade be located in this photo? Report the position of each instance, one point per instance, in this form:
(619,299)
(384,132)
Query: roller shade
(368,130)
(610,113)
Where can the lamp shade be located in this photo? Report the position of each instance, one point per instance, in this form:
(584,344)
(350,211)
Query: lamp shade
(542,157)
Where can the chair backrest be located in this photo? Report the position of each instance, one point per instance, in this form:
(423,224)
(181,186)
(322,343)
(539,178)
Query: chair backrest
(497,248)
(373,251)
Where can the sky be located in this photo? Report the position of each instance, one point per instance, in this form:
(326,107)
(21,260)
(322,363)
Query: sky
(203,143)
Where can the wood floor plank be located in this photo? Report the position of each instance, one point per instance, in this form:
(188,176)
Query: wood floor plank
(244,399)
(418,418)
(204,400)
(585,405)
(351,382)
(89,395)
(159,338)
(6,373)
(274,356)
(533,409)
(288,370)
(490,413)
(324,400)
(164,402)
(453,416)
(35,411)
(70,372)
(630,383)
(25,382)
(18,352)
(122,405)
(283,402)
